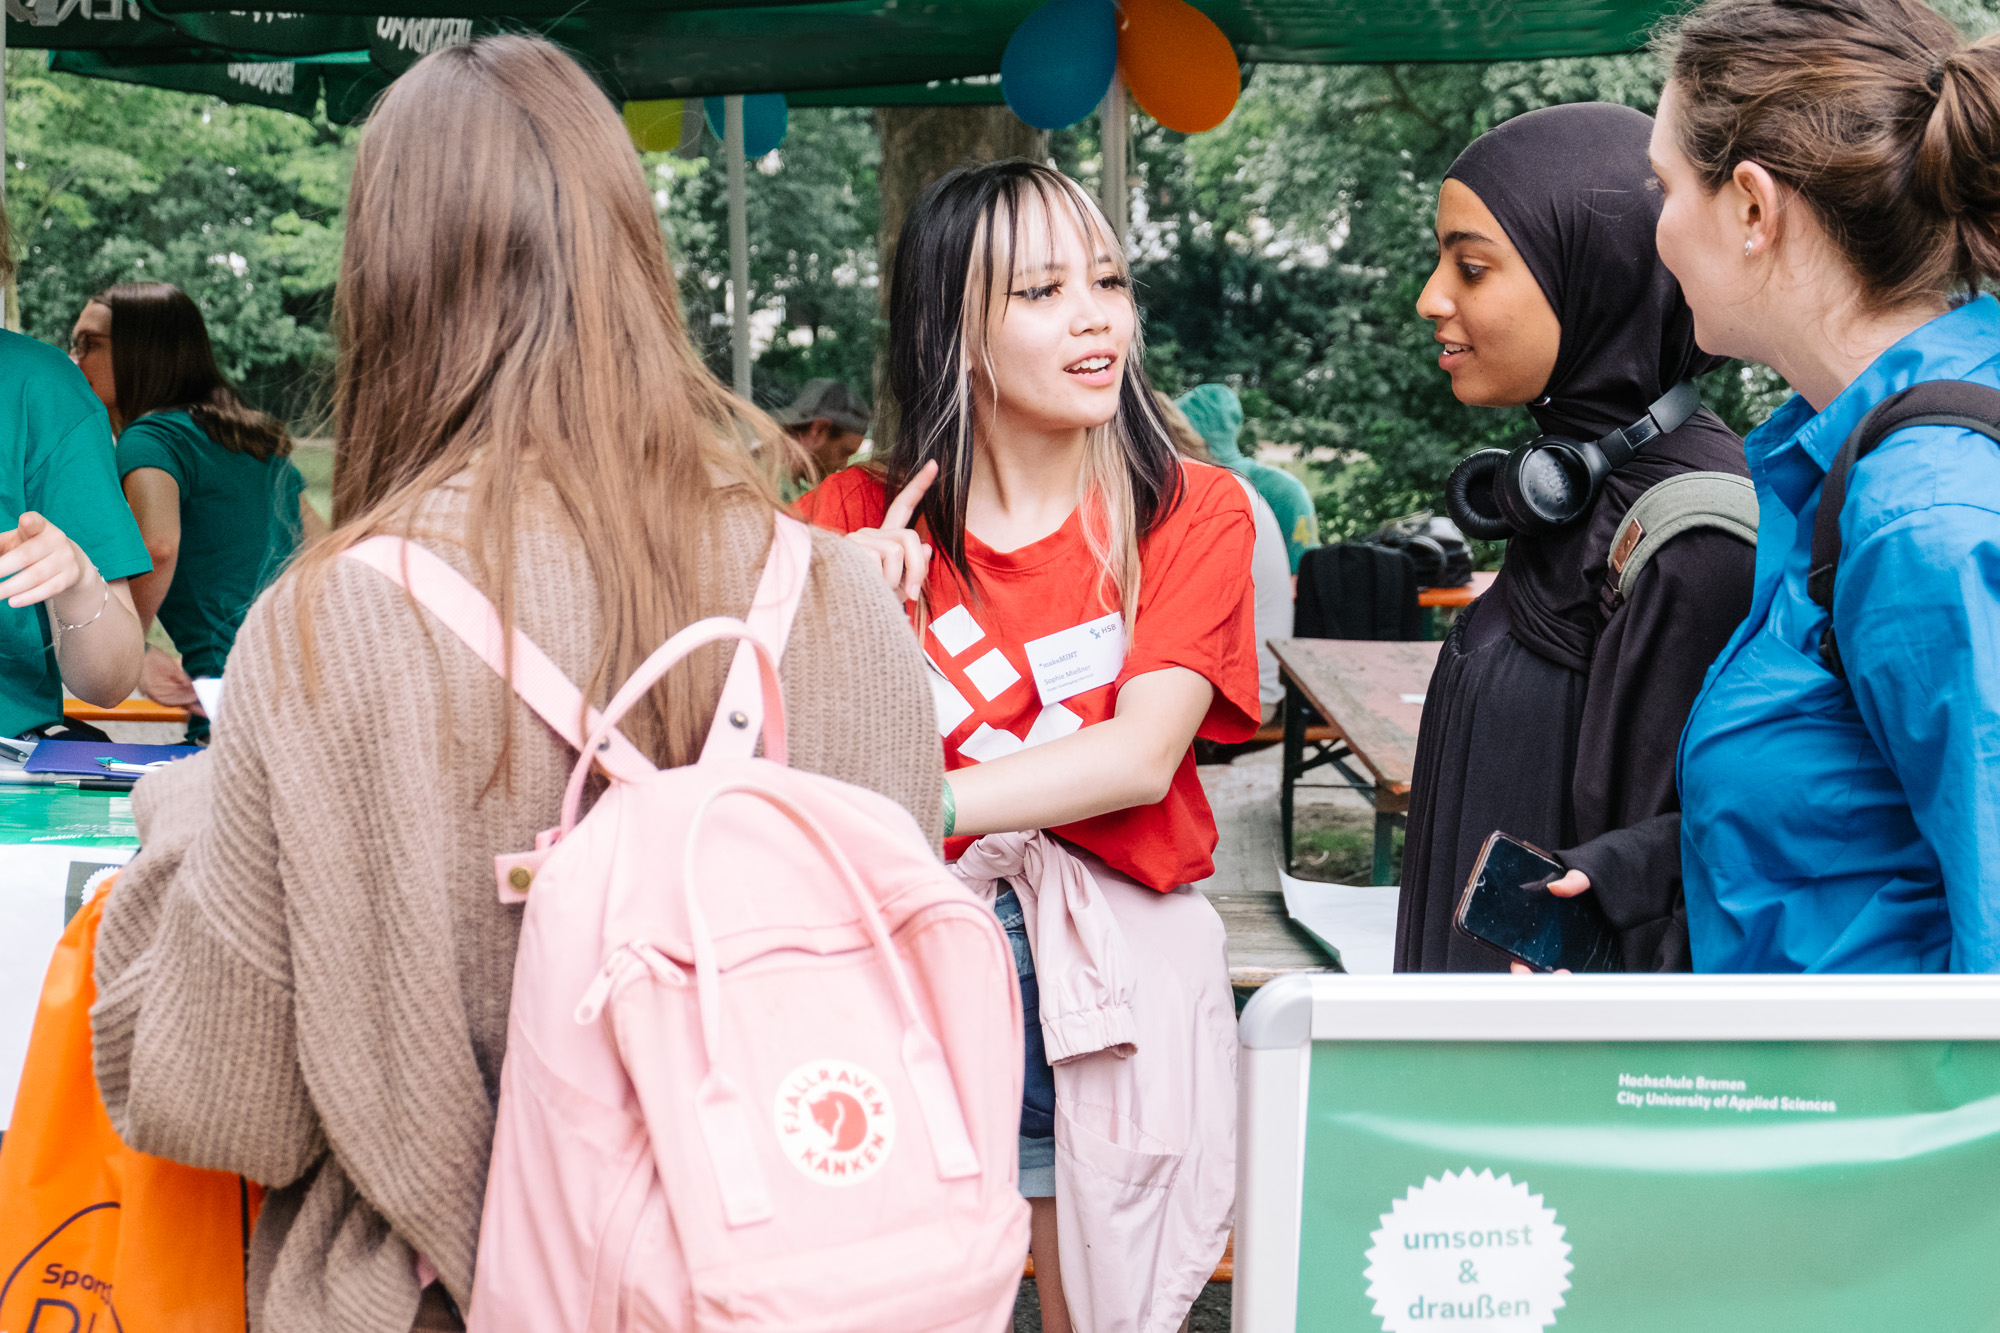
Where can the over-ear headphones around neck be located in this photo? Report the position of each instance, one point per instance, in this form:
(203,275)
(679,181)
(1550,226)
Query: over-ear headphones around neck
(1551,481)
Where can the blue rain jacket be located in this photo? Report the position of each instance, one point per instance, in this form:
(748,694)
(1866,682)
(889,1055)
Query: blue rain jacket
(1830,827)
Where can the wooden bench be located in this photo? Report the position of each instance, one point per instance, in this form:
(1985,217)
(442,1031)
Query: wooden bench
(1431,599)
(131,710)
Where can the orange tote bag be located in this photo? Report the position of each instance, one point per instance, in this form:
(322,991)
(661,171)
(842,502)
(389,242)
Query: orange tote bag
(94,1237)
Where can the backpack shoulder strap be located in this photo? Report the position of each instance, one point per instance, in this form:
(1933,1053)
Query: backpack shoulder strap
(1973,407)
(1685,501)
(739,714)
(465,611)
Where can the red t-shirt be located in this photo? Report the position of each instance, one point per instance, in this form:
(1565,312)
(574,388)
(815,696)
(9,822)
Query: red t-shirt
(1034,655)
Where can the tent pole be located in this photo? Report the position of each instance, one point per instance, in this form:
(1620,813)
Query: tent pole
(10,314)
(739,245)
(1114,123)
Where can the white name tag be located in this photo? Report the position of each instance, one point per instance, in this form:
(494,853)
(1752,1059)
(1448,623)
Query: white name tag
(1076,659)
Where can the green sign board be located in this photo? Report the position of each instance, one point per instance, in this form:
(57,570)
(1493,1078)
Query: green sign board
(1647,1187)
(1630,1154)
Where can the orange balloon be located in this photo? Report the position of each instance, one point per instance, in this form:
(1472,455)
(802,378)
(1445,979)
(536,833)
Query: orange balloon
(1179,67)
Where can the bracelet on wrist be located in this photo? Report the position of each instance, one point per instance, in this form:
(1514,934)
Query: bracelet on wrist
(950,809)
(64,627)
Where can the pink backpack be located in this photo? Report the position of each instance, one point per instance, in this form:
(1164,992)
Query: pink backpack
(763,1060)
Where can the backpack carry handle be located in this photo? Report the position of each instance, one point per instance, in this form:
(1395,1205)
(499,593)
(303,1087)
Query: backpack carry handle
(667,656)
(724,1117)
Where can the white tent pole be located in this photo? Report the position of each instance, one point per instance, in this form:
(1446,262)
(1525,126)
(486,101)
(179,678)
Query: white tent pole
(739,245)
(1114,123)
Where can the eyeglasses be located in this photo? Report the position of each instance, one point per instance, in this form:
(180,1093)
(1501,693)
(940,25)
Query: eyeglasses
(82,345)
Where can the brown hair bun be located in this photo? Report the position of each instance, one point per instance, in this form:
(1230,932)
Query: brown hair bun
(1876,112)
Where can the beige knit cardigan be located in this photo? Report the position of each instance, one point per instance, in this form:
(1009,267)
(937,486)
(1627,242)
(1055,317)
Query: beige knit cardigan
(303,976)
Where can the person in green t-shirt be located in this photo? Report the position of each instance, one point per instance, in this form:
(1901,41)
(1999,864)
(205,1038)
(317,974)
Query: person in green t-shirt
(67,542)
(1215,413)
(209,479)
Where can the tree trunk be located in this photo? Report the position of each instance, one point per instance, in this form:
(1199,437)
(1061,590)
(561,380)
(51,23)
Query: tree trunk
(920,144)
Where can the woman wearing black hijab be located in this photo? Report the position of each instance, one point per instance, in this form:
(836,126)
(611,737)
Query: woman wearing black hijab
(1555,714)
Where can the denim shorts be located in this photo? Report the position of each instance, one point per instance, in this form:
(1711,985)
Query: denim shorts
(1038,1085)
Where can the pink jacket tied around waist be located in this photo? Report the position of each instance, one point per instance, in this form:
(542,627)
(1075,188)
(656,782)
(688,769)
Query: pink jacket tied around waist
(1140,1027)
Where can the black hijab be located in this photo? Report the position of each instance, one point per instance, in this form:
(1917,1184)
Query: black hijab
(1571,187)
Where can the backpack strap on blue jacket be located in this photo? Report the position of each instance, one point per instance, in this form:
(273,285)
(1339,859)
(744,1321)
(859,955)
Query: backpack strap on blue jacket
(1973,407)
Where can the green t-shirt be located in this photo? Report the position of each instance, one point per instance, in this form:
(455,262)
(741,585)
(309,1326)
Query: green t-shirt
(1290,501)
(56,459)
(239,525)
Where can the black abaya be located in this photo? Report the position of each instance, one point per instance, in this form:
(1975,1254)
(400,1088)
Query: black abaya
(1553,716)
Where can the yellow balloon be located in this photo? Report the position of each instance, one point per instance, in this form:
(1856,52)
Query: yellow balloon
(655,127)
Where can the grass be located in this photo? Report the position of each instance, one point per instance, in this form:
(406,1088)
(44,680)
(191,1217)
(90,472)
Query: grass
(1342,854)
(314,460)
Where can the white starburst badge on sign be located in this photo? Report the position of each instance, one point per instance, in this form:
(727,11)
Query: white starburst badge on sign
(1468,1252)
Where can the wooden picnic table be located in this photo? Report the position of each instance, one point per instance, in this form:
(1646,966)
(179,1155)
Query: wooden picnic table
(1370,695)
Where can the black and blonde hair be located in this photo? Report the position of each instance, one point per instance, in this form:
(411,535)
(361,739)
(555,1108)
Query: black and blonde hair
(962,234)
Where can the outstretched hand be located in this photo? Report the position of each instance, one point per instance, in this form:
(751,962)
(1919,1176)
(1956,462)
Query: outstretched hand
(164,680)
(903,556)
(38,561)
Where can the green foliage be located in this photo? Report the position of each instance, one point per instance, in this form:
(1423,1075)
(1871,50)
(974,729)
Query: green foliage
(1283,252)
(239,206)
(812,209)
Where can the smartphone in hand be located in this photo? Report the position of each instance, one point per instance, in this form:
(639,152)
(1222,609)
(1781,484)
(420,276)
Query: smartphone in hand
(1507,904)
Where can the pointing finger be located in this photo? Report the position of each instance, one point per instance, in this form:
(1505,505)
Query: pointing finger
(916,564)
(904,506)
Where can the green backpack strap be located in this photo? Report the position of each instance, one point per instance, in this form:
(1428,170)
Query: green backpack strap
(1719,500)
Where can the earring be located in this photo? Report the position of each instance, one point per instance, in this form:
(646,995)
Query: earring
(1748,246)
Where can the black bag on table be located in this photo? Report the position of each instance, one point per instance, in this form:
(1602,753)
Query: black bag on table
(1442,556)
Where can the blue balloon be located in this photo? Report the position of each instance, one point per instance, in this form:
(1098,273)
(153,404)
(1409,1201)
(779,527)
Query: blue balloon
(764,117)
(1060,61)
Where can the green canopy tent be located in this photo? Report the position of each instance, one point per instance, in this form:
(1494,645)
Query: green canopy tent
(123,25)
(839,52)
(348,81)
(693,48)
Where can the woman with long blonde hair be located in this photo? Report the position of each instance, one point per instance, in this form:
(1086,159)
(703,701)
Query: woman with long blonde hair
(1086,615)
(304,975)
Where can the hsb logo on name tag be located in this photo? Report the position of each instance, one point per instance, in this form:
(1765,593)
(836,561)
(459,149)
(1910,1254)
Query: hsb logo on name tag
(1076,659)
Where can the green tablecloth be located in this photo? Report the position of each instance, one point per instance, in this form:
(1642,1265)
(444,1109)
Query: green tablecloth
(66,815)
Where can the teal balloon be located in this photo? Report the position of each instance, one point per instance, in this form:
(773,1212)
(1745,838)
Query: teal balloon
(764,119)
(1059,63)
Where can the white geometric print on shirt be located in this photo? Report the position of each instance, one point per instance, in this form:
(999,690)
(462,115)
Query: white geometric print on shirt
(988,743)
(956,630)
(1055,722)
(992,674)
(952,708)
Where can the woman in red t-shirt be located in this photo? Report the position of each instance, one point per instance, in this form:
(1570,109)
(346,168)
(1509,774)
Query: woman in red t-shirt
(1083,596)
